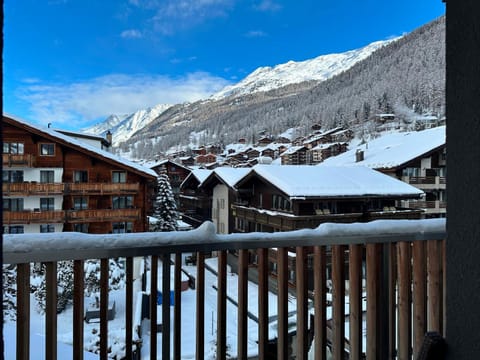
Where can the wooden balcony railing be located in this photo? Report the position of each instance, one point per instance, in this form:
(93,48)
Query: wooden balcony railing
(101,215)
(32,188)
(102,188)
(18,160)
(33,217)
(434,205)
(427,182)
(405,289)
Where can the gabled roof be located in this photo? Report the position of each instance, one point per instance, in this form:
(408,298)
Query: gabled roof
(166,161)
(303,181)
(392,150)
(293,149)
(197,176)
(78,145)
(226,175)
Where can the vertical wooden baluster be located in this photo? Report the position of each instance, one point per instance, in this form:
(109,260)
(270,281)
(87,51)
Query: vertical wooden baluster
(222,306)
(404,304)
(444,262)
(302,302)
(200,307)
(51,310)
(153,306)
(242,305)
(282,261)
(338,295)
(177,314)
(319,279)
(262,303)
(434,297)
(392,300)
(23,311)
(372,300)
(166,264)
(129,307)
(78,309)
(104,264)
(355,291)
(419,296)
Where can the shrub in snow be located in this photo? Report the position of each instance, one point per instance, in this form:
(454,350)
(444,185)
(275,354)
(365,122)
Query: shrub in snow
(9,277)
(116,277)
(116,342)
(165,207)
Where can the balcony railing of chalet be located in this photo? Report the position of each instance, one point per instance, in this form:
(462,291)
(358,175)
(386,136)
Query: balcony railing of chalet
(432,181)
(18,160)
(33,217)
(102,188)
(100,215)
(405,287)
(32,188)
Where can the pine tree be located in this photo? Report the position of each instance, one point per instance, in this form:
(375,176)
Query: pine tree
(165,208)
(9,292)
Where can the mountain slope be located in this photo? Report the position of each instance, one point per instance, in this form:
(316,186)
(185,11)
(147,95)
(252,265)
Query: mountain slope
(320,68)
(123,126)
(407,76)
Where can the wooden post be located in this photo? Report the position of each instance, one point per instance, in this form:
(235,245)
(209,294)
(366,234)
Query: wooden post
(434,294)
(372,300)
(320,322)
(302,304)
(153,306)
(222,306)
(78,309)
(129,307)
(355,293)
(200,307)
(262,303)
(404,314)
(338,280)
(419,296)
(23,311)
(177,315)
(242,304)
(104,265)
(51,310)
(282,346)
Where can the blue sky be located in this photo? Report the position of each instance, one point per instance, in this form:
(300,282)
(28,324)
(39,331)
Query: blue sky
(74,62)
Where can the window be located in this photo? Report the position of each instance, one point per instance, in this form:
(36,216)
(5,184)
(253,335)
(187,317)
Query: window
(119,176)
(47,228)
(14,229)
(47,176)
(122,227)
(13,148)
(47,149)
(12,176)
(280,202)
(80,203)
(122,202)
(13,204)
(83,228)
(222,203)
(47,204)
(80,176)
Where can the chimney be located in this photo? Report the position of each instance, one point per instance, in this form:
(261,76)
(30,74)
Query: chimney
(109,137)
(359,155)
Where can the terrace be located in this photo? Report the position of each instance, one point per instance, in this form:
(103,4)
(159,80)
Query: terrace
(405,292)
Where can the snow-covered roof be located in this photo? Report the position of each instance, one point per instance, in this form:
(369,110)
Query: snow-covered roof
(292,150)
(329,181)
(325,146)
(228,175)
(392,150)
(166,161)
(80,144)
(199,174)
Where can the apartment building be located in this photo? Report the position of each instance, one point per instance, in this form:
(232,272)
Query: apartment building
(53,182)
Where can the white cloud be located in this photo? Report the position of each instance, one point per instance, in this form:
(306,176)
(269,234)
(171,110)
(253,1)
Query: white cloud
(131,34)
(172,15)
(78,104)
(256,33)
(267,5)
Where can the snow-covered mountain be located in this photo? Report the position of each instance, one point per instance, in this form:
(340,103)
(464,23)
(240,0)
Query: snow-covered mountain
(123,127)
(320,68)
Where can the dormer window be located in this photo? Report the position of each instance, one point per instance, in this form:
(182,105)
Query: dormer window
(47,149)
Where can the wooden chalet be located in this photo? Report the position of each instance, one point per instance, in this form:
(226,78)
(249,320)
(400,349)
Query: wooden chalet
(295,155)
(176,172)
(282,198)
(53,182)
(417,158)
(206,159)
(195,203)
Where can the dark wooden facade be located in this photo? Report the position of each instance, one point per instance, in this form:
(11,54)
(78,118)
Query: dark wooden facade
(96,190)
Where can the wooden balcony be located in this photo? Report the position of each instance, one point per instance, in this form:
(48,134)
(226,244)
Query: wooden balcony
(33,217)
(102,215)
(426,182)
(102,188)
(32,188)
(405,290)
(430,207)
(12,160)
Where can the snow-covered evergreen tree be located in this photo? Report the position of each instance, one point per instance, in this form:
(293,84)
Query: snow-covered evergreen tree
(165,207)
(9,277)
(64,285)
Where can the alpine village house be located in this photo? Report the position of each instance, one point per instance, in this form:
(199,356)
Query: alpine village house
(53,182)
